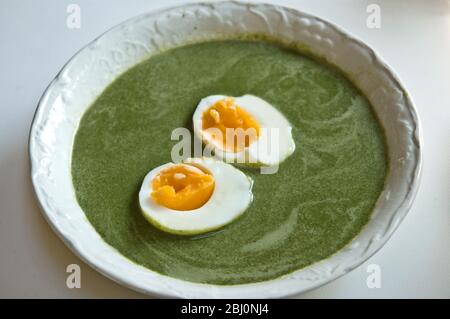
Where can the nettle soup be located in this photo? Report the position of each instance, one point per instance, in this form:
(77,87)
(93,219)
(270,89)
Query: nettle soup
(318,200)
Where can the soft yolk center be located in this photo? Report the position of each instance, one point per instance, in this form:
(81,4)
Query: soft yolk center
(237,128)
(182,187)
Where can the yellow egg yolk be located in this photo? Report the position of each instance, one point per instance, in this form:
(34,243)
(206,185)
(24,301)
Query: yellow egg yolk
(225,114)
(182,187)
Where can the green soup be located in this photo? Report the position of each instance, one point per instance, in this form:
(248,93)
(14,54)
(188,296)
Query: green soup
(316,203)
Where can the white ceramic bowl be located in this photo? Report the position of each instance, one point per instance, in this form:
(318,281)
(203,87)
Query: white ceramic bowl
(85,76)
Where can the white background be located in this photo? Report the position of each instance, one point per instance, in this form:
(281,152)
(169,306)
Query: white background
(35,43)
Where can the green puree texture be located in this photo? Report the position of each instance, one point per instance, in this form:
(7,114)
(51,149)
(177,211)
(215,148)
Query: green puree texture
(318,201)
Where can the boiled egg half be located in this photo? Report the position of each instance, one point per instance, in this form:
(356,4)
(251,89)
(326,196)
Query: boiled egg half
(193,197)
(244,129)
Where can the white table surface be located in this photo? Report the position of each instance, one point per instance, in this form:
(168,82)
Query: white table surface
(35,42)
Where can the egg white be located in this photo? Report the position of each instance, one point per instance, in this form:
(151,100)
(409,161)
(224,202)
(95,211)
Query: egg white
(230,198)
(267,116)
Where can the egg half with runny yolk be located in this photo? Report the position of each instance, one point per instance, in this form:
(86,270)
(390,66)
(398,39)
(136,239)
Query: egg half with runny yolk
(194,197)
(244,129)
